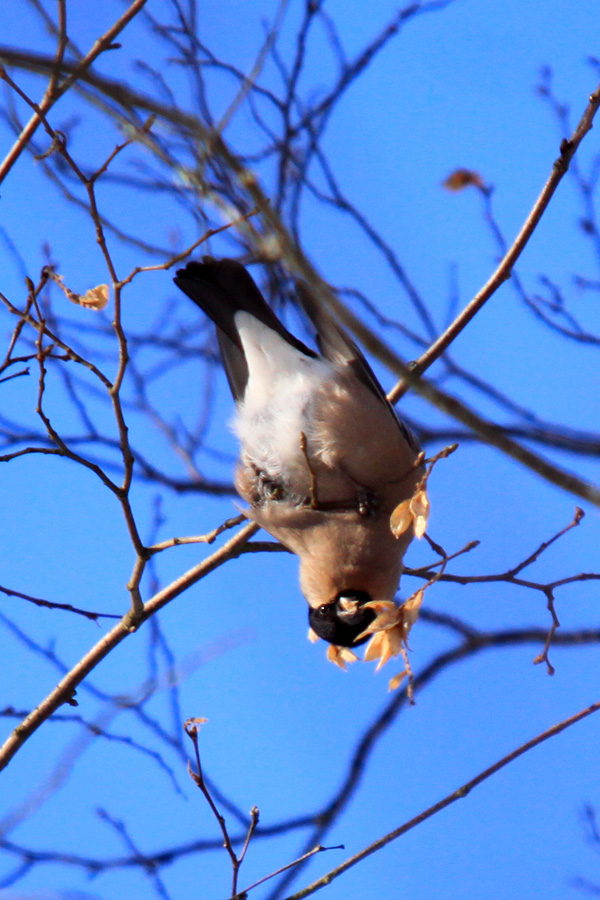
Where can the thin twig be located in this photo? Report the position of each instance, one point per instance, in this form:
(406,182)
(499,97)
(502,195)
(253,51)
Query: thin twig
(208,538)
(211,232)
(48,604)
(295,862)
(191,729)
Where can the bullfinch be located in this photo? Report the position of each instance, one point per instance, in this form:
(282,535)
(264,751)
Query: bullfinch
(324,459)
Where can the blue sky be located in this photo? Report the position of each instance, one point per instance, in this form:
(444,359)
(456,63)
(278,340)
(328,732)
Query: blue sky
(456,88)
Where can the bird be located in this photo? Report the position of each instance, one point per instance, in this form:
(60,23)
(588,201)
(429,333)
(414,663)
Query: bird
(324,459)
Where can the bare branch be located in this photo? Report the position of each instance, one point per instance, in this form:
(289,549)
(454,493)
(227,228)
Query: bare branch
(568,148)
(458,794)
(56,89)
(128,624)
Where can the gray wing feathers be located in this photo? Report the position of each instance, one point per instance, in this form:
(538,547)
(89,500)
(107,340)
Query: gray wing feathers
(335,345)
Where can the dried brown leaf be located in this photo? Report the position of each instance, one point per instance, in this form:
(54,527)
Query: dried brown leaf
(401,519)
(410,609)
(340,656)
(419,507)
(95,298)
(395,682)
(461,179)
(374,647)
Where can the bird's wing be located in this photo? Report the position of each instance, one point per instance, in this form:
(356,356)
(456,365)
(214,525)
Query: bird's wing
(336,346)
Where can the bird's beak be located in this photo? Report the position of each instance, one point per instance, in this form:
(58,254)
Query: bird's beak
(348,607)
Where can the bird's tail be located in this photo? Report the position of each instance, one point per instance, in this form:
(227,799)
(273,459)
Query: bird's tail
(222,288)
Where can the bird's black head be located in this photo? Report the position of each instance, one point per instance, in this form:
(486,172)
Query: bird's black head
(343,620)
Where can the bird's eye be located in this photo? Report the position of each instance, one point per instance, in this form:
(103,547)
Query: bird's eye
(324,609)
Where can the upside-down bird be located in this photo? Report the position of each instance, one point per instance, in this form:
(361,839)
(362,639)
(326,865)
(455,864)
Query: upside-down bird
(324,459)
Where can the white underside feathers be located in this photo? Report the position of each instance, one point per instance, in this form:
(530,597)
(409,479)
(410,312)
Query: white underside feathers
(276,405)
